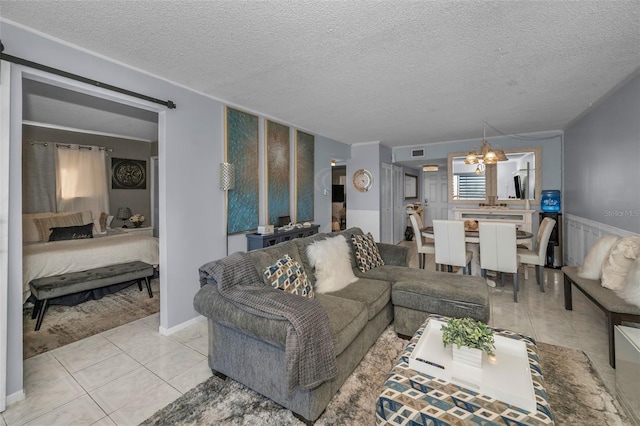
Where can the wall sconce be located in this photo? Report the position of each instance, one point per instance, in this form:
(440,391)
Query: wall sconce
(227,182)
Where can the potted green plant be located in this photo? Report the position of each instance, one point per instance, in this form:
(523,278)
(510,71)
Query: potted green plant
(468,339)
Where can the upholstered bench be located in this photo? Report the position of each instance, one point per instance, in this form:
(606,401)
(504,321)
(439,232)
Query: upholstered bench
(616,309)
(446,294)
(47,288)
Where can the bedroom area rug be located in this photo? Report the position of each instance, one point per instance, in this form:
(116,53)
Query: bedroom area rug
(576,393)
(66,324)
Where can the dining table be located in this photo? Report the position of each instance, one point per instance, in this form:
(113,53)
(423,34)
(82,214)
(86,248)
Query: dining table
(472,238)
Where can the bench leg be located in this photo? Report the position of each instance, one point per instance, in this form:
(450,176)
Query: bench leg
(41,311)
(612,320)
(568,302)
(541,275)
(515,287)
(36,308)
(139,280)
(146,280)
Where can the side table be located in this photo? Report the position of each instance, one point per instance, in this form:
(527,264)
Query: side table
(143,230)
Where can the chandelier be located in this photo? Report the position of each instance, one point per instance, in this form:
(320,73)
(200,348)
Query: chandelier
(485,155)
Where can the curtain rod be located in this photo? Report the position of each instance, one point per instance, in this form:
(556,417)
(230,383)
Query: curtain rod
(58,145)
(168,103)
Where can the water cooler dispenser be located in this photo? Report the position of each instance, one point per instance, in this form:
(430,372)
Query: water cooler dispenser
(550,206)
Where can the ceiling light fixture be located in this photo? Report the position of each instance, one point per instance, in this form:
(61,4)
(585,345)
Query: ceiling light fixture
(430,168)
(486,154)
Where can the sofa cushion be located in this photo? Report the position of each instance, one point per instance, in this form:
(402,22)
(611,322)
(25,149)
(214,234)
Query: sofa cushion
(375,294)
(347,318)
(330,260)
(445,294)
(287,274)
(366,252)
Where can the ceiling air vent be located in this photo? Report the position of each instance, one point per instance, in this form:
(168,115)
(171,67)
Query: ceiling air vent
(415,153)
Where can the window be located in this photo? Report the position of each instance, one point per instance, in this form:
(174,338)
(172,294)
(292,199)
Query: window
(468,186)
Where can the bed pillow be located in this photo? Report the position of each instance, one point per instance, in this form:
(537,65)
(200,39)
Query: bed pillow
(367,253)
(30,232)
(103,221)
(288,275)
(79,232)
(45,224)
(592,266)
(331,259)
(617,265)
(630,290)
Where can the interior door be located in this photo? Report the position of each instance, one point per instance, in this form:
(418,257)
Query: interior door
(386,204)
(435,196)
(399,215)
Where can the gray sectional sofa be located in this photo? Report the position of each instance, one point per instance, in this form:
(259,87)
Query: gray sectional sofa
(251,348)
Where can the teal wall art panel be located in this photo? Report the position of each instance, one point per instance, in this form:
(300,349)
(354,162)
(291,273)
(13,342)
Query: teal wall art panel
(277,155)
(304,176)
(242,150)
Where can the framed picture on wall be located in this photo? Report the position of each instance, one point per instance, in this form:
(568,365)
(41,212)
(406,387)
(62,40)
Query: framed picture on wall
(128,174)
(410,186)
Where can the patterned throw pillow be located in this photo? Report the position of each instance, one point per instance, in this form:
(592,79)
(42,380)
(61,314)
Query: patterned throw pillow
(45,224)
(367,253)
(288,275)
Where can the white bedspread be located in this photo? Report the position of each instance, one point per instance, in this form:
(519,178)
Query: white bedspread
(59,257)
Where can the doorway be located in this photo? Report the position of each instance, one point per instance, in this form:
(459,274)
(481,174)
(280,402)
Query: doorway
(435,196)
(338,197)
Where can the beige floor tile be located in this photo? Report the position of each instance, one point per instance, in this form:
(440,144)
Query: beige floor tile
(40,369)
(130,336)
(105,371)
(194,331)
(192,377)
(153,348)
(117,393)
(86,355)
(43,399)
(144,405)
(105,421)
(2,421)
(200,344)
(80,411)
(152,320)
(173,363)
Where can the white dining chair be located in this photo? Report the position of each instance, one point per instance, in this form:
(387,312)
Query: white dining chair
(424,248)
(450,245)
(537,256)
(498,251)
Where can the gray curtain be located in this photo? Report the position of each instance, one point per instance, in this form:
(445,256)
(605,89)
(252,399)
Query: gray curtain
(38,177)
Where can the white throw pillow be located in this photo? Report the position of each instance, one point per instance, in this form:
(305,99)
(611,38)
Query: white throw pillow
(630,290)
(617,265)
(592,266)
(331,259)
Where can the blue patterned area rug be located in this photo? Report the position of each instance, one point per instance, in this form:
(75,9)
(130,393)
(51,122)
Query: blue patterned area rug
(577,395)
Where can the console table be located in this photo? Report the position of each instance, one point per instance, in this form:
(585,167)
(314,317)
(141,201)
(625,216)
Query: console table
(258,241)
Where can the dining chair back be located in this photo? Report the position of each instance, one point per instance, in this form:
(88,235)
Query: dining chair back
(423,247)
(498,251)
(450,245)
(537,256)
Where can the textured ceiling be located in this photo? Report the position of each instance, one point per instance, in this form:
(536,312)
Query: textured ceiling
(399,72)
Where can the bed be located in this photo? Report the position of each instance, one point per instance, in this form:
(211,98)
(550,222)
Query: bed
(44,259)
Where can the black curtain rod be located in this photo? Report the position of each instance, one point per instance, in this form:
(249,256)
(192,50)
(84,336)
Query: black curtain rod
(169,104)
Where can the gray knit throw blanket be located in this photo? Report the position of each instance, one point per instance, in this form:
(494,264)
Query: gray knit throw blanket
(309,352)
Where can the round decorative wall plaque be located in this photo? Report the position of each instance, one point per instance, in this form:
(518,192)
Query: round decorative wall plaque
(362,180)
(128,174)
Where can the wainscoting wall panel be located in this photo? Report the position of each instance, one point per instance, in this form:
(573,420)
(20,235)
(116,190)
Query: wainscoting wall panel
(581,234)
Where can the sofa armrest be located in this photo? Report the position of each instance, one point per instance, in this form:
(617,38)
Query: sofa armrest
(393,254)
(211,304)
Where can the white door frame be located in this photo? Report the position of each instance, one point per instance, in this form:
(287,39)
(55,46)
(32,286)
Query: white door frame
(14,146)
(154,182)
(5,138)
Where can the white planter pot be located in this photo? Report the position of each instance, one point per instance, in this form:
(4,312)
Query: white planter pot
(468,356)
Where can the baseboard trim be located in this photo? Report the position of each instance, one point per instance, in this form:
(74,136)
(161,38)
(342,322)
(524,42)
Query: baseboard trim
(15,397)
(169,331)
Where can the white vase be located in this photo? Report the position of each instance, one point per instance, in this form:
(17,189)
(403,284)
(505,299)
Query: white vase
(527,204)
(468,356)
